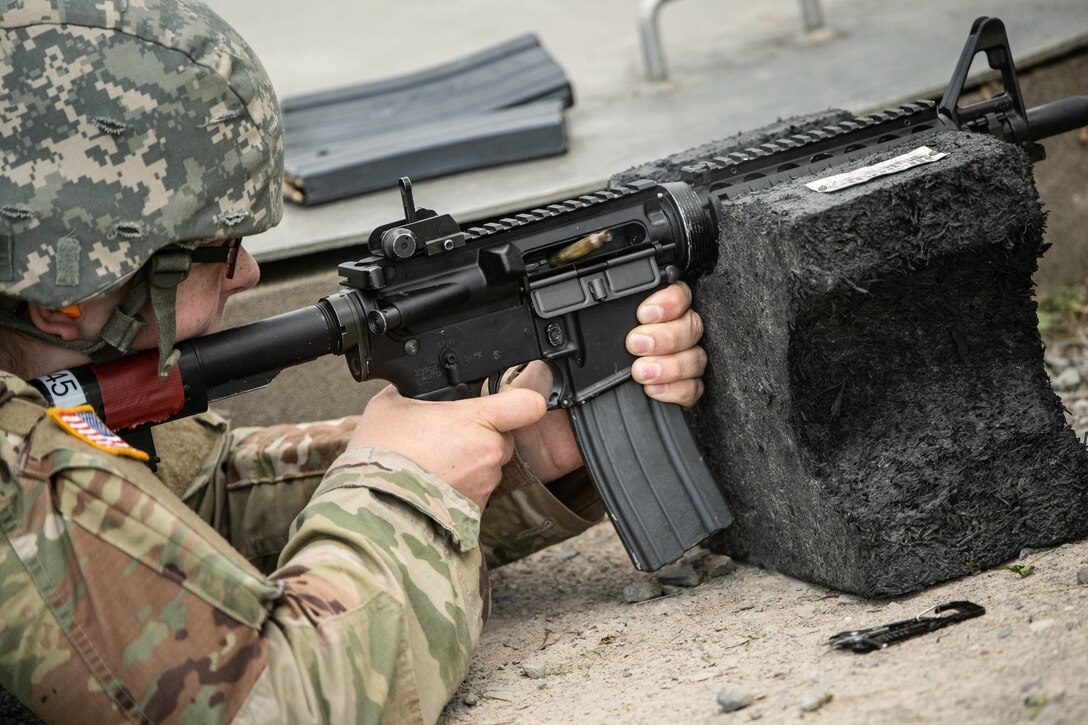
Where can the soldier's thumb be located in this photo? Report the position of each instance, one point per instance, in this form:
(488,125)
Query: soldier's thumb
(512,408)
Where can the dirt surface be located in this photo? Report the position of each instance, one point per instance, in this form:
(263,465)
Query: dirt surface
(563,646)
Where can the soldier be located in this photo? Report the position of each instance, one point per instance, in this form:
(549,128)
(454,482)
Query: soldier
(322,572)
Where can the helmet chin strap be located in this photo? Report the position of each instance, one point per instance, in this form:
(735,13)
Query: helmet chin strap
(158,281)
(166,271)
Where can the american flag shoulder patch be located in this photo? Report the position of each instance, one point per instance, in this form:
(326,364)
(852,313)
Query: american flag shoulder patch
(84,424)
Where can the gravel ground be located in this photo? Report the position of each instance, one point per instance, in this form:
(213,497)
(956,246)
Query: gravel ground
(1067,364)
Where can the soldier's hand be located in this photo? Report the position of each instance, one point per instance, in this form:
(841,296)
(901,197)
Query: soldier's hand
(463,442)
(671,362)
(670,365)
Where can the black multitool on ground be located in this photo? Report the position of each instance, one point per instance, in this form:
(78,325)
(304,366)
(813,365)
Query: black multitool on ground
(871,639)
(442,311)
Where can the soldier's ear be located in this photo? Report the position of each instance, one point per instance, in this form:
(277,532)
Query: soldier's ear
(61,323)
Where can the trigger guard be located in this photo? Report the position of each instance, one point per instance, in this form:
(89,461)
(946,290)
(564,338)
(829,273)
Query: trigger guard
(559,388)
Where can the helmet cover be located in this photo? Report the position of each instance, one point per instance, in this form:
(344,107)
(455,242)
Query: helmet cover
(126,126)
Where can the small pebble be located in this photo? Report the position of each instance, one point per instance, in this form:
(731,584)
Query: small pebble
(811,701)
(717,565)
(680,576)
(471,700)
(642,590)
(534,669)
(732,699)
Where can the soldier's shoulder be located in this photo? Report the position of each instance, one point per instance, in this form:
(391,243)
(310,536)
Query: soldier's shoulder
(13,386)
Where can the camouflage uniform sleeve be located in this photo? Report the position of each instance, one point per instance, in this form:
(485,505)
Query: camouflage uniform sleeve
(253,485)
(249,483)
(387,591)
(120,603)
(264,479)
(524,515)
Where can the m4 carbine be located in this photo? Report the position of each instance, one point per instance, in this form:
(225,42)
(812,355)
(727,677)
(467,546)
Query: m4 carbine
(440,311)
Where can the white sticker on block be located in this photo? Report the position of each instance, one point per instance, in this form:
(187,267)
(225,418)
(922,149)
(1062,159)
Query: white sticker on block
(917,157)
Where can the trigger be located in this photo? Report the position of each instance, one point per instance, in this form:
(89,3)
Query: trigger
(555,396)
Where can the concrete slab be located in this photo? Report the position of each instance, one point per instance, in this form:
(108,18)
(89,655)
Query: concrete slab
(732,66)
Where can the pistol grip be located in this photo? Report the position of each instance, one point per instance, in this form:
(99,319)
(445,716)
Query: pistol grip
(650,474)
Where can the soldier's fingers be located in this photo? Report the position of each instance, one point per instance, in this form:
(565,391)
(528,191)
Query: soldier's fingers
(682,392)
(537,376)
(665,338)
(510,408)
(665,304)
(670,368)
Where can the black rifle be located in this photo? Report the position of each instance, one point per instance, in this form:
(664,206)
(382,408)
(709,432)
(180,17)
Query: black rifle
(438,310)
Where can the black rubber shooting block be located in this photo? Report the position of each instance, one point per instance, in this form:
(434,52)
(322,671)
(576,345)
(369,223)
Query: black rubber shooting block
(877,410)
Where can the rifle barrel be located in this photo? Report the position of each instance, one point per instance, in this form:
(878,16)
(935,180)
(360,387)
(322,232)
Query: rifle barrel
(260,350)
(1050,119)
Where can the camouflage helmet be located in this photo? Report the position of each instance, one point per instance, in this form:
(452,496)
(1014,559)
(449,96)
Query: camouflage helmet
(126,126)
